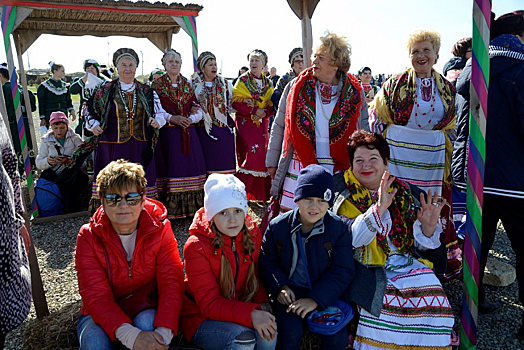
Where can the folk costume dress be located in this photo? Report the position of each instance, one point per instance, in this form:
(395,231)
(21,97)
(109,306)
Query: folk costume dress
(123,112)
(85,90)
(181,168)
(216,132)
(415,312)
(249,95)
(417,118)
(53,95)
(319,120)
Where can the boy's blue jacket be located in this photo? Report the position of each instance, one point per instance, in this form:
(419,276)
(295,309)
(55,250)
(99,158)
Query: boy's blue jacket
(329,254)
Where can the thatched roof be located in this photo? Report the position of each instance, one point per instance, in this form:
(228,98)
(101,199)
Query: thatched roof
(99,18)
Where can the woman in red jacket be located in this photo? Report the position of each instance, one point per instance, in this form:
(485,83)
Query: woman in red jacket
(129,270)
(225,306)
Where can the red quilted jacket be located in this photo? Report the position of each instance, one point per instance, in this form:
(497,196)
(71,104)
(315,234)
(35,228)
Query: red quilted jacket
(202,261)
(155,256)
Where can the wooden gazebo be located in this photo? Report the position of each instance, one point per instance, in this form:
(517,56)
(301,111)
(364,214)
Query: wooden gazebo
(26,20)
(157,22)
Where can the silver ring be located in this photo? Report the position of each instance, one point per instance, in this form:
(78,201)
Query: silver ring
(435,204)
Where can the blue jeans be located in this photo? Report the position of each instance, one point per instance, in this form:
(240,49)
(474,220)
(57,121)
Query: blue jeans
(220,335)
(92,337)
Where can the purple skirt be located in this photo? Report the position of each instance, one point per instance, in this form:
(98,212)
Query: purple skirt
(219,154)
(175,171)
(132,151)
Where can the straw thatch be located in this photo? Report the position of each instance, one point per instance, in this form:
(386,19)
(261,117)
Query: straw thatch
(103,18)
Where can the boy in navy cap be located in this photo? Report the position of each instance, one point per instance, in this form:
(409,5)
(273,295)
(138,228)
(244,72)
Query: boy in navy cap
(307,259)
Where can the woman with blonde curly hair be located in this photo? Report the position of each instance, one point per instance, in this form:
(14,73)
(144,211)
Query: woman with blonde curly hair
(318,112)
(225,306)
(415,110)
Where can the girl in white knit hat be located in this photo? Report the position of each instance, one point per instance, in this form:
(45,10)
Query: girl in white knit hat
(225,305)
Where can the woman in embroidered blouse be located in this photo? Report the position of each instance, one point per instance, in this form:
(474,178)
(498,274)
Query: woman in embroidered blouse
(53,95)
(181,168)
(216,133)
(124,115)
(318,112)
(415,110)
(252,101)
(385,224)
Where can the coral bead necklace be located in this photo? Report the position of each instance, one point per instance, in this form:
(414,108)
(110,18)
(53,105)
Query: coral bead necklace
(428,92)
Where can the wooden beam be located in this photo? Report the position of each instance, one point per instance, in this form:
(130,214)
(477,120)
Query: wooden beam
(47,219)
(109,6)
(307,34)
(100,23)
(37,288)
(26,38)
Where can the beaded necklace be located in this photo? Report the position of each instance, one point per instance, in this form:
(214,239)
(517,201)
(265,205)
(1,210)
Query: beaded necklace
(428,91)
(129,102)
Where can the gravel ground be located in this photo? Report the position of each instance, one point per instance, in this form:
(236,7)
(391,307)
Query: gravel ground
(55,243)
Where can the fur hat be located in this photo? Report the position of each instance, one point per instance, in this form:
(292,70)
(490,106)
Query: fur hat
(223,191)
(203,58)
(315,181)
(125,52)
(296,52)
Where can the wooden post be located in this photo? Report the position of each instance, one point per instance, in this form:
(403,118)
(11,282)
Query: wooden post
(307,34)
(37,288)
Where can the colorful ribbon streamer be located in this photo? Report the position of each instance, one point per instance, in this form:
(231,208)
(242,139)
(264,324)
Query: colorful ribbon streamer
(188,24)
(8,20)
(476,160)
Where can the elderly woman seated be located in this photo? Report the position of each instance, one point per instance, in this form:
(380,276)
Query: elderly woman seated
(409,306)
(56,150)
(129,269)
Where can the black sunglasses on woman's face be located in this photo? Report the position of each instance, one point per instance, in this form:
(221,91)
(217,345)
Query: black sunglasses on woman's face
(133,198)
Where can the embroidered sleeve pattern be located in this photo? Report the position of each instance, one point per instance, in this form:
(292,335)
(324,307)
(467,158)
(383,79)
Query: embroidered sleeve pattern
(89,120)
(366,226)
(424,243)
(161,116)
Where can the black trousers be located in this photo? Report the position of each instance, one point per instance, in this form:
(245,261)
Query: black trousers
(510,211)
(2,341)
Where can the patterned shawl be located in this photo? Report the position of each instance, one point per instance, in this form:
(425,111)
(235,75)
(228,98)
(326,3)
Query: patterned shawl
(402,212)
(395,101)
(214,105)
(299,129)
(246,89)
(286,78)
(507,45)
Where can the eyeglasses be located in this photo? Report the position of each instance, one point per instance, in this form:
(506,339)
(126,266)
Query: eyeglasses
(132,199)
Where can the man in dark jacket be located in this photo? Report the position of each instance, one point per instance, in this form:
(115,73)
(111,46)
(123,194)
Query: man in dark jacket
(504,174)
(307,259)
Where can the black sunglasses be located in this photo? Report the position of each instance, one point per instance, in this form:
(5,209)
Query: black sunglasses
(132,199)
